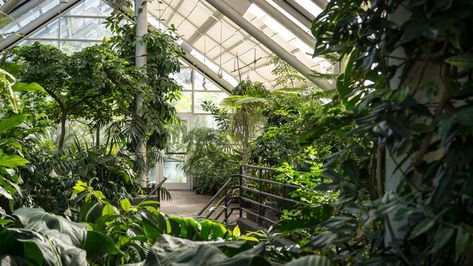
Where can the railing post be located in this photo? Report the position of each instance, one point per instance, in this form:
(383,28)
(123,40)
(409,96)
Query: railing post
(240,201)
(158,196)
(260,197)
(225,205)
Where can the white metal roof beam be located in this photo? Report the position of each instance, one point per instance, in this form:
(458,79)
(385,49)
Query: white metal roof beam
(9,5)
(294,4)
(212,20)
(234,16)
(320,3)
(18,12)
(178,5)
(295,13)
(37,23)
(286,22)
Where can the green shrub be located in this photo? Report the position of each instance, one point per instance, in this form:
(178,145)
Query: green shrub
(211,159)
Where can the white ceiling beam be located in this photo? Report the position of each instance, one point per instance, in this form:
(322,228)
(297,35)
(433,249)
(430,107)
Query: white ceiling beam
(9,5)
(295,13)
(286,22)
(320,3)
(37,23)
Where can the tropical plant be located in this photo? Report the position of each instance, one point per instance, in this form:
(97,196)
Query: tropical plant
(93,84)
(407,82)
(211,159)
(15,129)
(286,75)
(152,116)
(239,113)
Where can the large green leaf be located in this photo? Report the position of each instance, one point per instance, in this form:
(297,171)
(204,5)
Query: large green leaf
(422,227)
(30,87)
(461,61)
(170,250)
(461,241)
(12,260)
(311,260)
(97,243)
(76,231)
(12,161)
(11,122)
(441,237)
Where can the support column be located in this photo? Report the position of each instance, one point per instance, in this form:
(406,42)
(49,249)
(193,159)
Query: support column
(141,22)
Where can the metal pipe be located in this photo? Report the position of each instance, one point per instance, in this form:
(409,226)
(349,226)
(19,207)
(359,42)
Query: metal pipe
(257,215)
(261,204)
(234,16)
(241,190)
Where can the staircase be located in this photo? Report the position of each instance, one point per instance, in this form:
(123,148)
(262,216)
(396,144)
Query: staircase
(253,199)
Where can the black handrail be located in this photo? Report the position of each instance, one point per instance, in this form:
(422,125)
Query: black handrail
(216,195)
(241,187)
(156,189)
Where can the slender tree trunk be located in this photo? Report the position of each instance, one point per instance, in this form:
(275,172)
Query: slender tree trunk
(97,136)
(62,135)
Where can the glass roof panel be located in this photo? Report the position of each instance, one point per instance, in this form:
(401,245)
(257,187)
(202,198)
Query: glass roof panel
(29,16)
(206,34)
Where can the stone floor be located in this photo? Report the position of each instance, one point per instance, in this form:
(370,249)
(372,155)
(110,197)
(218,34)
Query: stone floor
(185,203)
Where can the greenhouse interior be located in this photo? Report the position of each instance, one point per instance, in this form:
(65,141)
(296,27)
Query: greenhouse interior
(225,132)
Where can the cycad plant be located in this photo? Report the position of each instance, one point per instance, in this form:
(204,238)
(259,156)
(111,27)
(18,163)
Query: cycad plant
(240,115)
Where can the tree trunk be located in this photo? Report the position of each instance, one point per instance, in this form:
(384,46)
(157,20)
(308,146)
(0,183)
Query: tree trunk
(62,135)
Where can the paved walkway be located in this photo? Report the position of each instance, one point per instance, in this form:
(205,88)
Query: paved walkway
(185,203)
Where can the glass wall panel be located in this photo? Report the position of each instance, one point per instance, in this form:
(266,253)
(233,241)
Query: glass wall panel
(31,15)
(204,121)
(184,77)
(184,105)
(176,142)
(83,28)
(30,42)
(201,96)
(70,47)
(91,8)
(173,171)
(202,83)
(51,30)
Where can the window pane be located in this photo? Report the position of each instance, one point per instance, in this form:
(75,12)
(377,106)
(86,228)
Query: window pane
(173,171)
(201,96)
(83,28)
(184,78)
(204,121)
(201,83)
(70,47)
(184,105)
(176,140)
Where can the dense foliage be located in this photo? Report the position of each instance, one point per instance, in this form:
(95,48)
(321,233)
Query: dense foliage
(211,159)
(408,84)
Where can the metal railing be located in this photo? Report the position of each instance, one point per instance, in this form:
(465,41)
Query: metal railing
(155,190)
(253,192)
